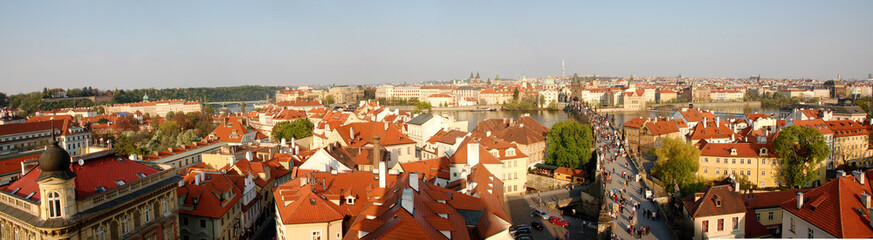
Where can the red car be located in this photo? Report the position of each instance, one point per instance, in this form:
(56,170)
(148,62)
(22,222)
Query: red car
(559,221)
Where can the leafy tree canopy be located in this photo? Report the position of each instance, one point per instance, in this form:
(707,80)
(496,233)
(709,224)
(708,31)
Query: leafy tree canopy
(297,129)
(677,162)
(569,142)
(801,149)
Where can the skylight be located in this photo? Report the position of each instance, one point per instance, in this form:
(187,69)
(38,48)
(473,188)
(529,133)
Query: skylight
(140,175)
(101,189)
(30,195)
(119,182)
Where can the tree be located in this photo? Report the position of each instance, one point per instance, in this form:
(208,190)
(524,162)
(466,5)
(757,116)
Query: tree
(515,94)
(569,142)
(328,100)
(126,123)
(3,100)
(297,129)
(677,162)
(421,106)
(801,149)
(541,101)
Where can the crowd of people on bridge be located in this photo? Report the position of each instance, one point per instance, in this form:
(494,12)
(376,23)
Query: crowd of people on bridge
(609,150)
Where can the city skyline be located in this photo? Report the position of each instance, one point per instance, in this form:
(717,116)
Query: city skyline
(197,44)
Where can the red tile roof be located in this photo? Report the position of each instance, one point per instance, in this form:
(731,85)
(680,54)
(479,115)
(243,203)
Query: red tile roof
(364,132)
(742,149)
(99,172)
(231,130)
(207,199)
(708,205)
(694,115)
(834,207)
(846,128)
(14,164)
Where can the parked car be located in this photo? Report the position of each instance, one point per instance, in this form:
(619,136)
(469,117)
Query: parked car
(519,229)
(536,213)
(537,225)
(559,221)
(524,237)
(587,224)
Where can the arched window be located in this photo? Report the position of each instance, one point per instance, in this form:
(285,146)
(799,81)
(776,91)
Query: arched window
(148,213)
(54,204)
(101,233)
(125,225)
(166,206)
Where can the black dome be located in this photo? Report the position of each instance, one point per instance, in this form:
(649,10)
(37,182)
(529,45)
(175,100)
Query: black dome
(55,162)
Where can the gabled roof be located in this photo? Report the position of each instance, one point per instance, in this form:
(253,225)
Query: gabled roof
(390,134)
(836,207)
(694,115)
(717,200)
(231,130)
(460,156)
(213,197)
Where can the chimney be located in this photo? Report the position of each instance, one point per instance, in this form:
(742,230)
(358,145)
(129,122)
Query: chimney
(383,173)
(413,181)
(386,126)
(799,200)
(488,134)
(704,122)
(865,198)
(859,176)
(406,200)
(232,160)
(472,153)
(841,173)
(352,133)
(377,149)
(196,178)
(249,156)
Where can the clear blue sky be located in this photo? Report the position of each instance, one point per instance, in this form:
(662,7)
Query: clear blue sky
(162,44)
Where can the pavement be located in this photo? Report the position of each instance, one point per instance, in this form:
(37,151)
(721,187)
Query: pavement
(519,207)
(658,229)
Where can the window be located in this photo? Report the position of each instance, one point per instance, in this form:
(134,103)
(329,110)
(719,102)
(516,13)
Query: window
(54,204)
(184,221)
(763,172)
(733,161)
(316,235)
(202,223)
(717,160)
(705,226)
(810,233)
(791,227)
(735,223)
(147,213)
(770,216)
(705,170)
(720,224)
(758,216)
(101,233)
(166,205)
(125,225)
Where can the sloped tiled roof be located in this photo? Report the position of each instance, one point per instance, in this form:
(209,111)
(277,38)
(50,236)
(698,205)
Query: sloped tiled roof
(834,207)
(730,202)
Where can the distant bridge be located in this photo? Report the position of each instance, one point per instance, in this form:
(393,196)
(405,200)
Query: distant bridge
(232,103)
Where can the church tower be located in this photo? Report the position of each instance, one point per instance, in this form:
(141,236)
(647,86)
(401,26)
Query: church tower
(57,183)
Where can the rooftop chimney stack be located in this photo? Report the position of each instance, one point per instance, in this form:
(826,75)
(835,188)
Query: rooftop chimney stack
(249,156)
(867,201)
(799,200)
(858,176)
(383,173)
(841,173)
(413,181)
(473,153)
(377,150)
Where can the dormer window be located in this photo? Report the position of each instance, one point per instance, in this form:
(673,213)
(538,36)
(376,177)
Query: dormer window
(762,151)
(350,200)
(717,200)
(510,152)
(733,151)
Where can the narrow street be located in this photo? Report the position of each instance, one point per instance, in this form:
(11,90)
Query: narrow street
(635,217)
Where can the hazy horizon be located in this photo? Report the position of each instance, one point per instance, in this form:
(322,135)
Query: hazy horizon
(169,44)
